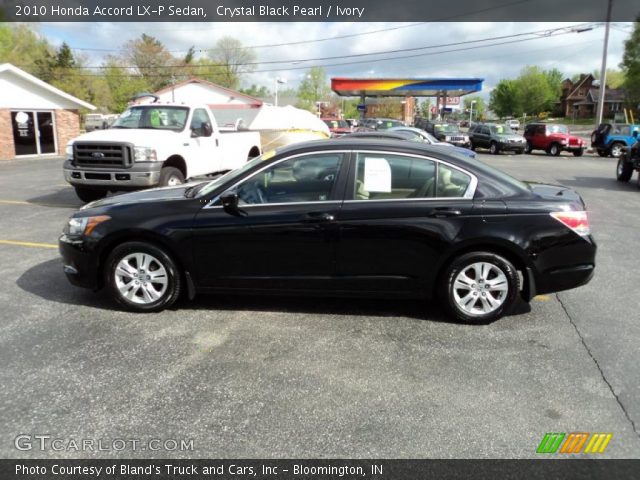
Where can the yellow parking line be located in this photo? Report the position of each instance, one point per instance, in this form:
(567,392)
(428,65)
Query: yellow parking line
(28,244)
(37,204)
(542,298)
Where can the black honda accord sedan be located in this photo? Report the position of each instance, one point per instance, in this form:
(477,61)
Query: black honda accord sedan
(356,217)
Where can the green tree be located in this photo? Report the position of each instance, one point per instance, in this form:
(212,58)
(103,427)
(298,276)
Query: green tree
(121,84)
(615,78)
(20,45)
(503,99)
(314,88)
(254,91)
(231,61)
(479,107)
(151,60)
(631,65)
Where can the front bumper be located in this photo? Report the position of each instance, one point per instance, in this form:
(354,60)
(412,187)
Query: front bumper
(143,174)
(512,146)
(573,148)
(78,264)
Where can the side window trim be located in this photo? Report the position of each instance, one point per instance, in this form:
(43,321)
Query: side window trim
(335,196)
(349,192)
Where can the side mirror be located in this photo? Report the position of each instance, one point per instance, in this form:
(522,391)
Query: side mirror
(230,201)
(206,129)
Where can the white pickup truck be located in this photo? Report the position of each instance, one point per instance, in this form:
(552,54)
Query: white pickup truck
(155,144)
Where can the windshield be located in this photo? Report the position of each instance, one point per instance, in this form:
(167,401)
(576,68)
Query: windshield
(447,128)
(558,129)
(233,174)
(155,117)
(336,124)
(501,130)
(386,124)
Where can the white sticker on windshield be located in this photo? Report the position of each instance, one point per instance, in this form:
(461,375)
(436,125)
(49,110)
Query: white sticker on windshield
(377,175)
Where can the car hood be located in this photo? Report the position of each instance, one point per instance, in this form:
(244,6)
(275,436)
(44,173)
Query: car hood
(143,196)
(511,138)
(140,137)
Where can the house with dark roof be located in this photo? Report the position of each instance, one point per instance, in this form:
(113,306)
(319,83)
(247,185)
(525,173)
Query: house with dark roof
(580,99)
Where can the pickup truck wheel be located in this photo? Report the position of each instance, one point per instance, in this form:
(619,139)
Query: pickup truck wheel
(142,277)
(170,176)
(602,153)
(624,170)
(578,153)
(90,194)
(554,150)
(616,149)
(479,287)
(494,149)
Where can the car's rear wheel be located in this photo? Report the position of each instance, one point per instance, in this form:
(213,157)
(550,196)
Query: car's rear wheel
(554,150)
(494,149)
(624,170)
(142,277)
(90,194)
(528,148)
(479,287)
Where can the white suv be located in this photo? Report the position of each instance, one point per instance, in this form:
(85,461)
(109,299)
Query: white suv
(513,124)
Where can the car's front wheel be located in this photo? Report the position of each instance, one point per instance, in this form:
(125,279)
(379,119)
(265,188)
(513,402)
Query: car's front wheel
(578,153)
(494,149)
(624,170)
(479,287)
(142,277)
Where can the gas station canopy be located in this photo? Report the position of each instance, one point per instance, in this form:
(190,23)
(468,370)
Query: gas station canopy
(405,87)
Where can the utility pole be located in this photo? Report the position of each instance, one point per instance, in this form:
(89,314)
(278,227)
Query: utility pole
(603,70)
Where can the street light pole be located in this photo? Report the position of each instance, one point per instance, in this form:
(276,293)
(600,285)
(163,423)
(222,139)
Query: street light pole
(603,70)
(471,112)
(278,81)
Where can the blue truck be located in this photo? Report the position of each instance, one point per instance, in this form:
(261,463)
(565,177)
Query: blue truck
(610,140)
(629,162)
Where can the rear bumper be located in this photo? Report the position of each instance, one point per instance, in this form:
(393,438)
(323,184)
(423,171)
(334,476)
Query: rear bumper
(77,263)
(145,174)
(564,278)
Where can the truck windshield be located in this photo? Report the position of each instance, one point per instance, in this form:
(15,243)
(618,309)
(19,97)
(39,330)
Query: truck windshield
(447,128)
(156,117)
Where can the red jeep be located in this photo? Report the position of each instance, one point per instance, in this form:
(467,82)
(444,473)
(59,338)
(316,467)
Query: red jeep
(553,139)
(337,127)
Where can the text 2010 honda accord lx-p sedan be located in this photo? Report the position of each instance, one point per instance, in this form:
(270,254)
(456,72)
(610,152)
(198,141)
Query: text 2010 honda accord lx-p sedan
(339,218)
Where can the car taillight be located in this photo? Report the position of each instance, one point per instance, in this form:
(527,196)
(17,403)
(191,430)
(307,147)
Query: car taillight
(576,221)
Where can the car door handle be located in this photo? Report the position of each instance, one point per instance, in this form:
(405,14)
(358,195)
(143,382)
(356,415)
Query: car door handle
(319,218)
(442,212)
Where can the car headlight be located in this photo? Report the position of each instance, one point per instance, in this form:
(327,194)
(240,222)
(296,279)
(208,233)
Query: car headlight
(145,154)
(77,226)
(69,150)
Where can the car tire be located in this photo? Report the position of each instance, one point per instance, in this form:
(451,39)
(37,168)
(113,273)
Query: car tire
(90,194)
(528,148)
(624,170)
(472,146)
(616,149)
(143,263)
(602,153)
(170,176)
(494,148)
(520,152)
(578,153)
(482,302)
(554,150)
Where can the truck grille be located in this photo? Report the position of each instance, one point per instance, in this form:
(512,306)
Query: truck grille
(101,154)
(456,139)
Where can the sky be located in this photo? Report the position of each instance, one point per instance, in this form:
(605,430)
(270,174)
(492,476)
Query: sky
(571,53)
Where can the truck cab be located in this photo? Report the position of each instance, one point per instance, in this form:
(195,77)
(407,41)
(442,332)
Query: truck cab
(154,144)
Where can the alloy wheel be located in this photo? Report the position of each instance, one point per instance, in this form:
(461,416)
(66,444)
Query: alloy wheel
(141,278)
(480,288)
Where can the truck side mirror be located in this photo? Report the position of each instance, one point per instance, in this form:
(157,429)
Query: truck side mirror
(206,129)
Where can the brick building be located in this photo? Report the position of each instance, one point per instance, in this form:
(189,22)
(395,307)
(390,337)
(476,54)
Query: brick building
(35,117)
(580,99)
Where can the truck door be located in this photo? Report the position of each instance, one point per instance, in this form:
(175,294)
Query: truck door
(202,145)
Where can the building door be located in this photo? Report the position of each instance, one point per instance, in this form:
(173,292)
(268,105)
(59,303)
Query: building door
(33,132)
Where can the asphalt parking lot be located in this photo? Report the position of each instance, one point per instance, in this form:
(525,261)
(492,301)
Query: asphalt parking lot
(293,378)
